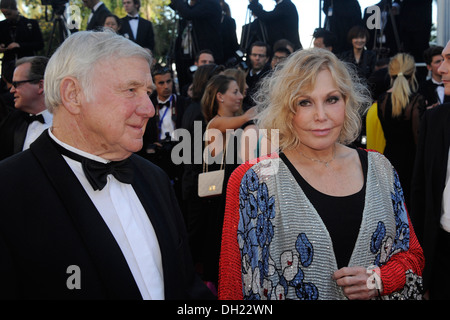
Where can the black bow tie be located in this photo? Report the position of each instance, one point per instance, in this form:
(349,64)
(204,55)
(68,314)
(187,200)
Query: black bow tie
(133,18)
(165,104)
(96,172)
(439,84)
(33,118)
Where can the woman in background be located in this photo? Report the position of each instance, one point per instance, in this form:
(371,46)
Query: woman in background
(113,22)
(399,114)
(221,108)
(364,60)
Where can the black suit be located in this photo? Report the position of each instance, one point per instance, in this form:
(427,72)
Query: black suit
(98,17)
(346,14)
(281,23)
(253,82)
(58,226)
(27,33)
(206,20)
(427,189)
(415,20)
(428,90)
(13,131)
(145,36)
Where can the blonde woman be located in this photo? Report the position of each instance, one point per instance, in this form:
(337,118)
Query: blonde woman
(318,220)
(398,111)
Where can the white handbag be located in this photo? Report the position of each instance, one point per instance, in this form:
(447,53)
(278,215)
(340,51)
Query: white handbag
(210,184)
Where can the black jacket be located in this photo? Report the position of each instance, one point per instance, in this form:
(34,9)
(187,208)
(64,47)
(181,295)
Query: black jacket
(428,181)
(98,17)
(281,23)
(145,36)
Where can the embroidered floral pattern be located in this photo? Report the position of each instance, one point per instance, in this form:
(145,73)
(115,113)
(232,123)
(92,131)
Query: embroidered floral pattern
(262,277)
(385,247)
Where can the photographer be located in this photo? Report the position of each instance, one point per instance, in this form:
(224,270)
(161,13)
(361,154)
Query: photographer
(157,140)
(281,23)
(206,17)
(19,36)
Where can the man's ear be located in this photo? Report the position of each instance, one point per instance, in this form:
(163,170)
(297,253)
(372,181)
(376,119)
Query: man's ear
(70,91)
(41,86)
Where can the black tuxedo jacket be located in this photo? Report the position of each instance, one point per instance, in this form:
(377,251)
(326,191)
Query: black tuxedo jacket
(27,34)
(205,16)
(49,223)
(98,17)
(428,90)
(281,23)
(13,130)
(145,36)
(429,180)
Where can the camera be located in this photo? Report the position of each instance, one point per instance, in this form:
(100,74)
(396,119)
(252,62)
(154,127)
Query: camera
(237,61)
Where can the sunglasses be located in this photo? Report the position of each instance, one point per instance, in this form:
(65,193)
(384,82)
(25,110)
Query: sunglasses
(17,83)
(161,70)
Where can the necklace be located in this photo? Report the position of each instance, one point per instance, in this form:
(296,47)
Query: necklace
(326,163)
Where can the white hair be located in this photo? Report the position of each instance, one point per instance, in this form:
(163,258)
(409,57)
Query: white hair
(77,57)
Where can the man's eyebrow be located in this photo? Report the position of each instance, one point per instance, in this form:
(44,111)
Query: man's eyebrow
(134,83)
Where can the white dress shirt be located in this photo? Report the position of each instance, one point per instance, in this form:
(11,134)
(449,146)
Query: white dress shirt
(440,90)
(125,216)
(36,128)
(165,119)
(134,25)
(94,9)
(445,218)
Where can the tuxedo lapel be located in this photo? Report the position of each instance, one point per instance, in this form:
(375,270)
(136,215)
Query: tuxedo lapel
(154,201)
(99,241)
(126,29)
(446,124)
(140,31)
(19,136)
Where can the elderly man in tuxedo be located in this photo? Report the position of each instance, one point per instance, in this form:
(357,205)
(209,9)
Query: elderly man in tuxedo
(30,117)
(430,198)
(135,27)
(82,216)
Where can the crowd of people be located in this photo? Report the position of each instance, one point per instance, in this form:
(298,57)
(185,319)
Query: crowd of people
(333,159)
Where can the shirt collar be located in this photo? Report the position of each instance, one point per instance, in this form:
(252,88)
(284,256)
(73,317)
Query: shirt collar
(97,5)
(75,150)
(435,82)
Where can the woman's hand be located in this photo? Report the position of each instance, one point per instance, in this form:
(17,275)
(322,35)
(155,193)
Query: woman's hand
(251,113)
(358,283)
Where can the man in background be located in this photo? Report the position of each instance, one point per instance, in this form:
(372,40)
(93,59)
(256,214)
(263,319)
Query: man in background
(433,88)
(98,14)
(30,117)
(259,57)
(280,23)
(136,28)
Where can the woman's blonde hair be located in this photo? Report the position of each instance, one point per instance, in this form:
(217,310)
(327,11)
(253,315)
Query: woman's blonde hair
(402,69)
(279,92)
